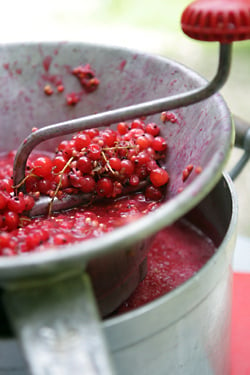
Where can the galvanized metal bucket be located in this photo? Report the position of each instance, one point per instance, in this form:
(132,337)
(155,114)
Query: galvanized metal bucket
(188,330)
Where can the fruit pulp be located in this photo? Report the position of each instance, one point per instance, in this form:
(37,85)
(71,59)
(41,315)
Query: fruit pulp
(176,254)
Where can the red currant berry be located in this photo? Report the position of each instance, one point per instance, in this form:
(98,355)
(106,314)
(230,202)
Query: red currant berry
(92,133)
(143,142)
(127,167)
(142,158)
(159,177)
(16,204)
(151,152)
(134,180)
(58,164)
(72,98)
(48,90)
(6,184)
(115,163)
(31,184)
(62,180)
(104,187)
(42,166)
(152,129)
(44,185)
(67,148)
(75,180)
(60,88)
(29,202)
(11,220)
(94,151)
(3,200)
(88,184)
(141,171)
(117,189)
(5,240)
(84,164)
(186,172)
(122,128)
(153,193)
(137,124)
(133,134)
(151,165)
(82,140)
(159,144)
(91,84)
(109,137)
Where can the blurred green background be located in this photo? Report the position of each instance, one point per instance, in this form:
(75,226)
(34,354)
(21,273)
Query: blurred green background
(152,26)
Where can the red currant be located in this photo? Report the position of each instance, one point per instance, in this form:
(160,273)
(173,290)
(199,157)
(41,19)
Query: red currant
(152,129)
(159,177)
(3,200)
(122,128)
(84,164)
(127,167)
(105,187)
(153,193)
(159,144)
(88,184)
(94,151)
(42,166)
(82,140)
(11,220)
(115,163)
(17,203)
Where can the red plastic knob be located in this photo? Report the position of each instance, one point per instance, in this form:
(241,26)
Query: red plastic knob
(224,21)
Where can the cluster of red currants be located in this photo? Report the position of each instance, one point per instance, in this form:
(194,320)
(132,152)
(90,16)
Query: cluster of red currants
(103,163)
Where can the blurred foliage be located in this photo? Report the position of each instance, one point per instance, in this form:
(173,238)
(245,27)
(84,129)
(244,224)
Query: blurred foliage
(150,14)
(155,14)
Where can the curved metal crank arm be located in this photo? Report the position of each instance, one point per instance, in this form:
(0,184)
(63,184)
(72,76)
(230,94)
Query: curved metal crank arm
(242,140)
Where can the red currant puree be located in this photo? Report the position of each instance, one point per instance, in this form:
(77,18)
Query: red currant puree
(176,254)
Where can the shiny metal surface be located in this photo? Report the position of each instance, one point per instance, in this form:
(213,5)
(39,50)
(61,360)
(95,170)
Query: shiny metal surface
(184,332)
(188,330)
